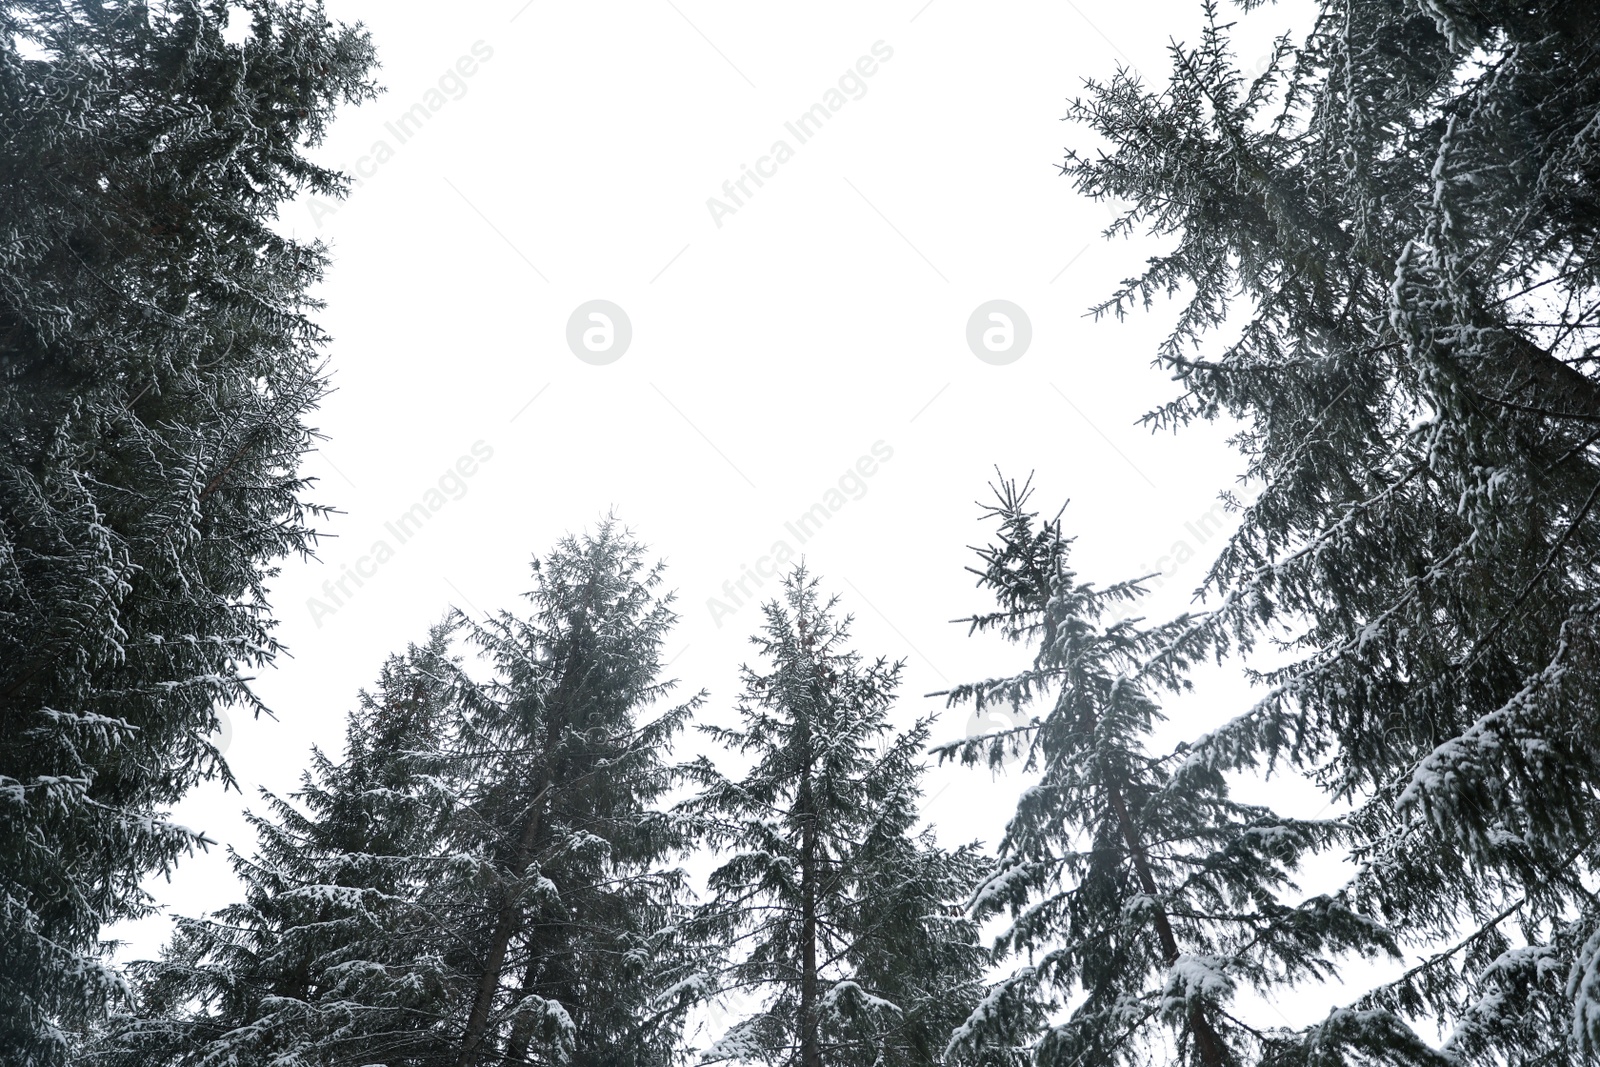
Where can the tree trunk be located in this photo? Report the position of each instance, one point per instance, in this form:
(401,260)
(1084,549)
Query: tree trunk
(810,1047)
(505,925)
(506,921)
(522,1032)
(1559,390)
(1213,1053)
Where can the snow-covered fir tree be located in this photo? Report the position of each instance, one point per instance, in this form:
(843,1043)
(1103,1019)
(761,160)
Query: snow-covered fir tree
(832,908)
(157,364)
(1140,895)
(1384,246)
(332,957)
(483,880)
(566,914)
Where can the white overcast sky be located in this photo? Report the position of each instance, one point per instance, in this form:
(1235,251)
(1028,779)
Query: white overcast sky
(826,315)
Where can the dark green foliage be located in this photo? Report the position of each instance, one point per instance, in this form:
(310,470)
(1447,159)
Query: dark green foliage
(1140,894)
(1384,247)
(568,902)
(332,957)
(157,363)
(481,881)
(833,912)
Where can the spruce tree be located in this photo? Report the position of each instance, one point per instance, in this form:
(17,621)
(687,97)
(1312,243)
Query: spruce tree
(830,907)
(1384,248)
(332,957)
(157,364)
(1140,894)
(567,914)
(483,880)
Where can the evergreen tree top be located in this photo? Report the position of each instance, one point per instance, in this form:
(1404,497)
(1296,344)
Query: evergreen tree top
(834,914)
(1141,896)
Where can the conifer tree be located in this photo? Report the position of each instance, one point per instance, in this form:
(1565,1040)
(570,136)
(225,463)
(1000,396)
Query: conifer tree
(1384,244)
(332,958)
(568,915)
(830,906)
(1140,895)
(484,880)
(157,364)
